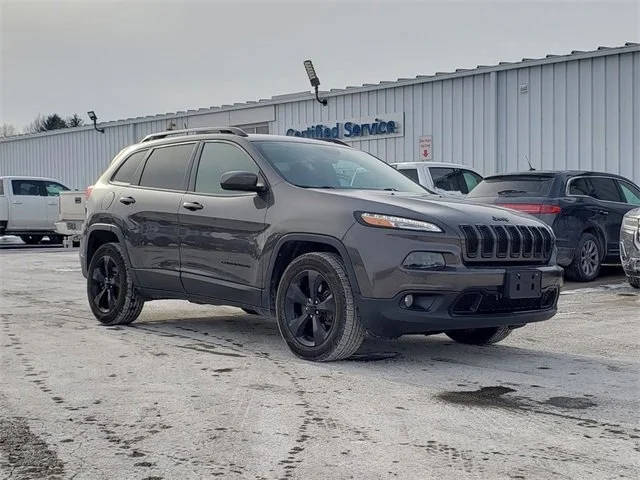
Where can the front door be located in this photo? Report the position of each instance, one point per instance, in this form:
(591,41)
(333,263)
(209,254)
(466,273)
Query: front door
(27,207)
(222,231)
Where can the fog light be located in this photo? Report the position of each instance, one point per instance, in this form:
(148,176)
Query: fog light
(424,261)
(408,300)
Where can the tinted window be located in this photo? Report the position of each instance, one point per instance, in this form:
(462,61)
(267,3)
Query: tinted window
(411,173)
(1,187)
(27,187)
(513,186)
(580,186)
(128,167)
(53,189)
(166,167)
(605,189)
(630,193)
(471,179)
(312,165)
(217,159)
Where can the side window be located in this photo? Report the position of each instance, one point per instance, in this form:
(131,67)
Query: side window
(1,187)
(605,189)
(630,193)
(27,187)
(53,189)
(471,179)
(449,179)
(411,173)
(218,158)
(580,186)
(166,167)
(128,168)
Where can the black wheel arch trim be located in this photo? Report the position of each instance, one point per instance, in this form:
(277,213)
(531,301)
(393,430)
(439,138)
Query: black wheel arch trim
(306,237)
(104,227)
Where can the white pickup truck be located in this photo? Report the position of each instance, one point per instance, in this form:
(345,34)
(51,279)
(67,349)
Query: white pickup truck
(29,208)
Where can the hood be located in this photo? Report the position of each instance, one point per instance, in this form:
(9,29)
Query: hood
(443,210)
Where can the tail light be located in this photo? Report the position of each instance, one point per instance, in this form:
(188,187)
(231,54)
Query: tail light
(88,191)
(533,208)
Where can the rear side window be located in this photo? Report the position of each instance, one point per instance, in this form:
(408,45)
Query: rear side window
(166,167)
(411,173)
(580,186)
(217,159)
(605,189)
(630,193)
(514,186)
(1,187)
(454,179)
(27,187)
(53,189)
(128,168)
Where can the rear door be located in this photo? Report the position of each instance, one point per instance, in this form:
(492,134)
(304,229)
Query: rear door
(27,208)
(222,230)
(611,209)
(147,202)
(52,192)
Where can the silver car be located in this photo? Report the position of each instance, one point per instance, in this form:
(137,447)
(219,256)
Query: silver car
(630,246)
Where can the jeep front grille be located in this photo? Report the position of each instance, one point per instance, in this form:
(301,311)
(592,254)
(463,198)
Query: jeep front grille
(510,243)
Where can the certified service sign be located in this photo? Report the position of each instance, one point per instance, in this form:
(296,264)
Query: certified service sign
(381,126)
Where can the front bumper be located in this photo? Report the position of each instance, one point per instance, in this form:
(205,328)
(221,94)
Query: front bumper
(471,298)
(630,257)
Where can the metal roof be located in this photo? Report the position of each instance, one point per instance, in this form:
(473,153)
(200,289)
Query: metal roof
(400,82)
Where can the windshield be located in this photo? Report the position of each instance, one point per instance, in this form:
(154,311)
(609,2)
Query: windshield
(310,165)
(513,186)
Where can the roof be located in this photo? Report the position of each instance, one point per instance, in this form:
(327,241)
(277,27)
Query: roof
(307,95)
(553,173)
(433,164)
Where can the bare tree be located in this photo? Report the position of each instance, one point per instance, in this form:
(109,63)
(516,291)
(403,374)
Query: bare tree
(74,121)
(7,130)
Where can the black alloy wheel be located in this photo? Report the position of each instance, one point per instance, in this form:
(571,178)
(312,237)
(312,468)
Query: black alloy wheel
(310,308)
(105,284)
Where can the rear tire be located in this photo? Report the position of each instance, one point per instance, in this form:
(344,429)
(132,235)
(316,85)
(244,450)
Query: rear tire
(315,309)
(586,259)
(479,336)
(110,291)
(31,239)
(634,281)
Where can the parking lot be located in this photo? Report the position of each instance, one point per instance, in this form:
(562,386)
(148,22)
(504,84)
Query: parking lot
(193,391)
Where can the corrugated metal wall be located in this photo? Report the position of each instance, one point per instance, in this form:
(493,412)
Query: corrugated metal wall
(582,113)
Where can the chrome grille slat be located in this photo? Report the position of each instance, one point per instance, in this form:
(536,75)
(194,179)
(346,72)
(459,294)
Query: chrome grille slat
(506,243)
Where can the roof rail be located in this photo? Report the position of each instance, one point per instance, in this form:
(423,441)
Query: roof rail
(195,131)
(335,140)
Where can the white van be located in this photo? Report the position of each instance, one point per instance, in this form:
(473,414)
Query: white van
(29,208)
(444,178)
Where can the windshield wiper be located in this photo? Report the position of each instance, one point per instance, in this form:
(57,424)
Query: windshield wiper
(507,192)
(315,186)
(391,189)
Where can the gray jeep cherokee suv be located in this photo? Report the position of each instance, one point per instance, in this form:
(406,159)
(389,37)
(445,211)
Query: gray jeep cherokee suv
(330,240)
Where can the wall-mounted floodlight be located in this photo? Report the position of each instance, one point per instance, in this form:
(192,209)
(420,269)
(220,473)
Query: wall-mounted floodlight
(94,118)
(313,78)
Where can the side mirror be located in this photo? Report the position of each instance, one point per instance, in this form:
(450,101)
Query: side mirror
(241,181)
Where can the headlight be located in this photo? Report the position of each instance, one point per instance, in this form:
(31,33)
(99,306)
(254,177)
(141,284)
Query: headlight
(388,221)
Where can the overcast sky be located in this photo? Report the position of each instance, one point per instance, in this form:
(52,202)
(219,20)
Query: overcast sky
(134,58)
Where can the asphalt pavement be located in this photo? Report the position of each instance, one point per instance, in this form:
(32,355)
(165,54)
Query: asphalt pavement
(191,391)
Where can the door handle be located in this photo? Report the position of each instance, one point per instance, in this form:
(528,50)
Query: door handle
(127,200)
(16,203)
(193,206)
(603,212)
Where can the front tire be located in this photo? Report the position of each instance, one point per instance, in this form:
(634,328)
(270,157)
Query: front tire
(315,309)
(634,281)
(479,336)
(586,259)
(112,296)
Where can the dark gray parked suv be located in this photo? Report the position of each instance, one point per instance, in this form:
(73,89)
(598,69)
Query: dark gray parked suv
(330,240)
